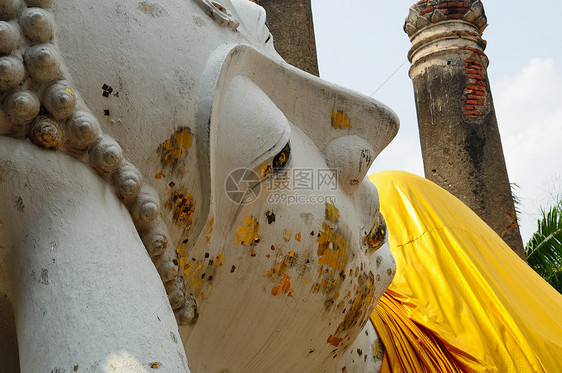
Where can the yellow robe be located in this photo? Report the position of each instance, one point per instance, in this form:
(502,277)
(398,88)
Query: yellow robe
(461,300)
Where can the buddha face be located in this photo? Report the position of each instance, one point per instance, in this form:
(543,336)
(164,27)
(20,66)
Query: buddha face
(259,168)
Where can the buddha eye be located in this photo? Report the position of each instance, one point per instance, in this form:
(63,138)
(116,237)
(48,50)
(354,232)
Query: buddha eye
(219,7)
(269,32)
(279,161)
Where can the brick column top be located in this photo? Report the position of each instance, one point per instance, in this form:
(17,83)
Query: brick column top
(440,26)
(425,12)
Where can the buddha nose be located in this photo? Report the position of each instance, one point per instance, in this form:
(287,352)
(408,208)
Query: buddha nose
(350,157)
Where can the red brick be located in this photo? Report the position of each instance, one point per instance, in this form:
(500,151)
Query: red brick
(454,16)
(471,71)
(475,50)
(474,97)
(475,87)
(427,10)
(476,76)
(470,112)
(476,67)
(451,4)
(468,107)
(473,102)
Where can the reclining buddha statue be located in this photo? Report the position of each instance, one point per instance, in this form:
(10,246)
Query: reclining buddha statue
(175,196)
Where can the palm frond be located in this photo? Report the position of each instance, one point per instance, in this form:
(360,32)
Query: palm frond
(555,280)
(516,199)
(544,249)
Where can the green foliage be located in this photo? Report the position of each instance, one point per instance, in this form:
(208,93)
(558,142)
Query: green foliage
(544,249)
(556,281)
(516,199)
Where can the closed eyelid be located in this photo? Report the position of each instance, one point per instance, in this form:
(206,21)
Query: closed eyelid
(275,164)
(247,128)
(269,155)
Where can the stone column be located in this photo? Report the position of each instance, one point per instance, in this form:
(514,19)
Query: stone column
(460,141)
(291,25)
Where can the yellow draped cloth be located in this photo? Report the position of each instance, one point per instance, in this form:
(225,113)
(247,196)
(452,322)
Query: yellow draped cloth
(461,300)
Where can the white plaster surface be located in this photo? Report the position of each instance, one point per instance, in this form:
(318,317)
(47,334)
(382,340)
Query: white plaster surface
(81,284)
(365,355)
(74,266)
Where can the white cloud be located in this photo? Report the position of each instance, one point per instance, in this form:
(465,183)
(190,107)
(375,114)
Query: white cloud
(529,112)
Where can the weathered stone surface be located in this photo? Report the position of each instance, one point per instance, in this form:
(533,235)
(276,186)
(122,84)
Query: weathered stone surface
(460,140)
(291,24)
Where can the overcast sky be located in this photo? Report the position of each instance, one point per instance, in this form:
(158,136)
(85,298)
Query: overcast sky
(361,44)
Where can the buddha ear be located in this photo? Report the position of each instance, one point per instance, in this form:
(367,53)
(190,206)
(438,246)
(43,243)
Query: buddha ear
(324,111)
